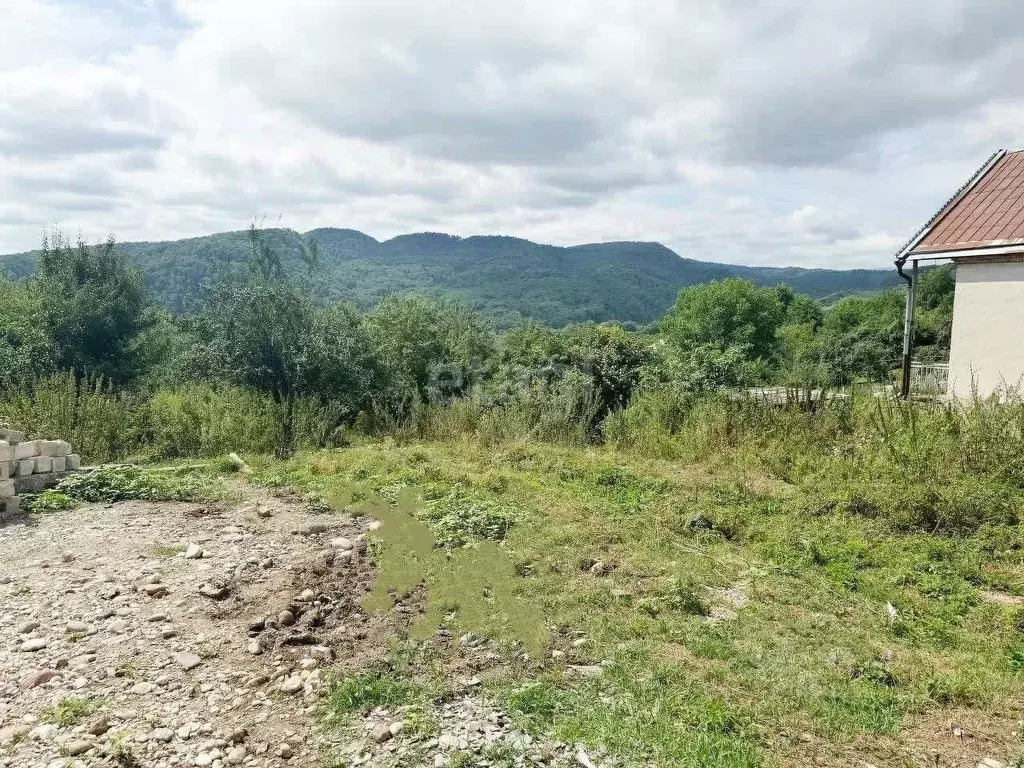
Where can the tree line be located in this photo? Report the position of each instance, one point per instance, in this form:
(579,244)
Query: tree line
(87,310)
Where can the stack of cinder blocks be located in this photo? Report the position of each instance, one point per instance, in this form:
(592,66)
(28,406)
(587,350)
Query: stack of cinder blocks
(30,466)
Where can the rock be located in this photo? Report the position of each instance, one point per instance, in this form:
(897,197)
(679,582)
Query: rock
(44,733)
(143,689)
(284,751)
(155,590)
(583,758)
(28,626)
(238,736)
(380,733)
(396,727)
(37,678)
(76,747)
(109,592)
(236,755)
(285,618)
(77,627)
(187,660)
(119,626)
(213,591)
(34,644)
(307,596)
(98,726)
(254,647)
(990,762)
(194,552)
(342,544)
(162,735)
(203,759)
(292,685)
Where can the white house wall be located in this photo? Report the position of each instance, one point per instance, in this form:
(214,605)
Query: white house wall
(987,348)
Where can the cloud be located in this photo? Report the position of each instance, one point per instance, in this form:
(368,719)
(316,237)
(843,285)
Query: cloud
(782,133)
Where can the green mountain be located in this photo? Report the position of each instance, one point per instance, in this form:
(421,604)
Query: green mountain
(505,277)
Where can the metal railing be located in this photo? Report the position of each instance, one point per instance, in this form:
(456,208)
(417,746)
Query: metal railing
(929,378)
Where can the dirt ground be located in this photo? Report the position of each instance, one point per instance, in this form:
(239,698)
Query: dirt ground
(117,644)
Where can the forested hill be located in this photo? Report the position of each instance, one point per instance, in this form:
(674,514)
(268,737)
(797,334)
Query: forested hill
(504,277)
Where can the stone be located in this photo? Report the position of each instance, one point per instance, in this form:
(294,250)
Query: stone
(396,727)
(307,596)
(213,591)
(285,751)
(44,464)
(236,756)
(50,448)
(161,734)
(194,552)
(142,689)
(285,618)
(76,747)
(109,592)
(26,450)
(44,733)
(34,644)
(37,678)
(25,467)
(380,733)
(291,685)
(342,543)
(74,462)
(254,647)
(990,762)
(155,590)
(6,489)
(59,463)
(187,660)
(203,759)
(98,726)
(28,626)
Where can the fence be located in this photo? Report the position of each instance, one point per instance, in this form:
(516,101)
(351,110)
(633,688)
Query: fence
(929,378)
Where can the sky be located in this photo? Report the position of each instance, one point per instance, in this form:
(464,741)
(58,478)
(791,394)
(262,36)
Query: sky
(778,132)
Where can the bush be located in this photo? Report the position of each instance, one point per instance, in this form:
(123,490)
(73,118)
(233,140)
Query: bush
(112,484)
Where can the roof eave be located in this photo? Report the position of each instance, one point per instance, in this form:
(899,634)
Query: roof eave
(956,253)
(904,253)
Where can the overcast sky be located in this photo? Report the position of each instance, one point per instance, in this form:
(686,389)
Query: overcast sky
(774,132)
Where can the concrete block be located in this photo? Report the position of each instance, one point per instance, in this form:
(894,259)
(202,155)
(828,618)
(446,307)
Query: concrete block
(43,464)
(9,507)
(63,447)
(74,461)
(27,450)
(60,463)
(24,467)
(5,470)
(37,483)
(11,436)
(6,489)
(6,451)
(50,448)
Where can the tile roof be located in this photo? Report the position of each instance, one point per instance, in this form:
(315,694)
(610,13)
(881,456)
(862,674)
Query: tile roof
(990,213)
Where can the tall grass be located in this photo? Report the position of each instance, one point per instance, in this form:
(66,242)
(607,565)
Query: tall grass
(99,421)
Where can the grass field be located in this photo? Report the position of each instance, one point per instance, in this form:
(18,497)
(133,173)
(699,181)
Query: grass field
(738,618)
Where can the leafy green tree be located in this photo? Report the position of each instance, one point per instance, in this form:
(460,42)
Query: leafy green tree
(26,347)
(93,304)
(730,313)
(264,332)
(427,348)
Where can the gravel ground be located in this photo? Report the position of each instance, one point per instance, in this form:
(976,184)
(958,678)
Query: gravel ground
(176,634)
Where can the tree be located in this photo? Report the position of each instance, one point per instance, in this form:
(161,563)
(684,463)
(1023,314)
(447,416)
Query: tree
(264,332)
(427,348)
(93,304)
(26,347)
(727,314)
